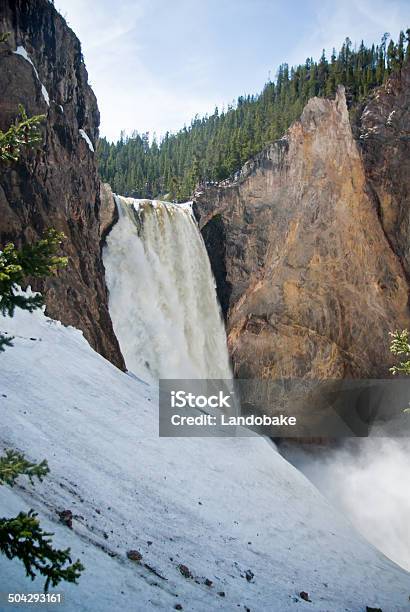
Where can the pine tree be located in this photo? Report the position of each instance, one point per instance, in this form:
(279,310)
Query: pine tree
(407,56)
(400,49)
(22,537)
(24,132)
(33,260)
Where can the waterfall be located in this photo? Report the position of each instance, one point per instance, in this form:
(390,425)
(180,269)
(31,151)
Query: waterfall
(162,296)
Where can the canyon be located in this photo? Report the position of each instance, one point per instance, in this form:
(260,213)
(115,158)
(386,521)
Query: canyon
(308,243)
(309,249)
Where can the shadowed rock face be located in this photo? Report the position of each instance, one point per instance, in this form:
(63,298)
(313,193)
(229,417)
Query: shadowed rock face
(383,131)
(57,184)
(309,283)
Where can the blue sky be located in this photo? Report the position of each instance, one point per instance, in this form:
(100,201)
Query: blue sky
(154,64)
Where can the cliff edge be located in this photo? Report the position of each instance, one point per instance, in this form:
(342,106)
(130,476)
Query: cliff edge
(56,184)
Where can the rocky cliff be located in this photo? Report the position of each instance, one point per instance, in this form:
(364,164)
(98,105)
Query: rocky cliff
(383,132)
(57,184)
(309,244)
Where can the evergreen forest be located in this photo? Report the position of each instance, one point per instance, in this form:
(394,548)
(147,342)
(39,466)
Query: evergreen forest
(214,147)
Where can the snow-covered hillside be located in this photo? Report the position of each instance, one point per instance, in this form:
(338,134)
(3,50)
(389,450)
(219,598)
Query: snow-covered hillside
(221,507)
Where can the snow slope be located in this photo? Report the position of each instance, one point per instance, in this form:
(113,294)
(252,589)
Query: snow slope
(219,506)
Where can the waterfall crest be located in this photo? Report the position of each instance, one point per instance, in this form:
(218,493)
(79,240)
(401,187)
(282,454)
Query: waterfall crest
(162,296)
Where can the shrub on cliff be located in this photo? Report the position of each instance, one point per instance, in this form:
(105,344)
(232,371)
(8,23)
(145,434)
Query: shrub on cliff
(22,133)
(400,346)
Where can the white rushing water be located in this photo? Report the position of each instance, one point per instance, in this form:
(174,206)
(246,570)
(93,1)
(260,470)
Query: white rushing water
(366,479)
(162,294)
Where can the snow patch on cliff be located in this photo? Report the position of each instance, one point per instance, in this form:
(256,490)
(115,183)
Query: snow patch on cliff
(23,53)
(84,135)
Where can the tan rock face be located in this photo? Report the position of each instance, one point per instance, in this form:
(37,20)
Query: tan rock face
(57,184)
(306,276)
(108,210)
